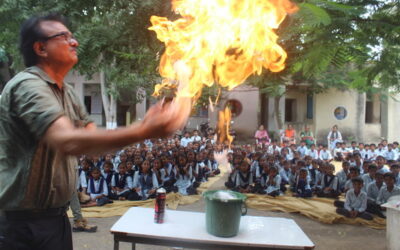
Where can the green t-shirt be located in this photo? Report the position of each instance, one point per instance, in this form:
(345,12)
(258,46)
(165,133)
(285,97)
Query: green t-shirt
(33,175)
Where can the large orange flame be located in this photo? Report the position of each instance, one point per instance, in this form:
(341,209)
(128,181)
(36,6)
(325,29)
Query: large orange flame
(223,41)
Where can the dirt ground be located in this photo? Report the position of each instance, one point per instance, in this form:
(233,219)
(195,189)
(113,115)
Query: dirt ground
(324,236)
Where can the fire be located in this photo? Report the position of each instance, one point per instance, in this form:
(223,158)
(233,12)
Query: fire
(218,41)
(223,41)
(224,125)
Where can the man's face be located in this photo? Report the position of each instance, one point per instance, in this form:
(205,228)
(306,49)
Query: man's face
(60,49)
(357,186)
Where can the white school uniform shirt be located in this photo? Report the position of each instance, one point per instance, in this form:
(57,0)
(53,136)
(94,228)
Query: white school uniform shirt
(390,155)
(185,141)
(303,150)
(384,194)
(334,183)
(325,155)
(342,176)
(313,154)
(196,138)
(363,153)
(183,182)
(367,180)
(82,179)
(275,187)
(397,180)
(381,152)
(337,151)
(373,191)
(285,175)
(97,187)
(371,155)
(348,185)
(356,202)
(272,149)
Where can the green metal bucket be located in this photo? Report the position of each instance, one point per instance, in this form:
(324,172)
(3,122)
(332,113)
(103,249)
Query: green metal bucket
(223,211)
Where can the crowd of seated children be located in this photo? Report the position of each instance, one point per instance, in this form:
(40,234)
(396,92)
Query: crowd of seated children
(136,172)
(181,164)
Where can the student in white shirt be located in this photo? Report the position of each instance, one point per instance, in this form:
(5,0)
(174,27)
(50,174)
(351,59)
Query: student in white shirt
(97,188)
(325,155)
(186,140)
(356,202)
(313,152)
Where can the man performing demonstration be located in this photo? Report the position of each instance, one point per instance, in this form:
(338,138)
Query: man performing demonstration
(43,127)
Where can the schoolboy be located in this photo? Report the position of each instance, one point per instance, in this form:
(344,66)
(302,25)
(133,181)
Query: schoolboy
(356,202)
(330,184)
(97,188)
(302,187)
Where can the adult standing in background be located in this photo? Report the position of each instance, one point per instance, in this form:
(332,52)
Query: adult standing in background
(334,137)
(43,126)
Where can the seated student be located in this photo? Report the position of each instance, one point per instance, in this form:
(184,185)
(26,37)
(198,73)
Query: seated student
(273,182)
(97,188)
(353,147)
(236,162)
(325,155)
(338,152)
(380,162)
(244,178)
(313,152)
(285,173)
(370,176)
(212,165)
(381,151)
(314,173)
(200,168)
(262,162)
(343,175)
(259,186)
(255,165)
(184,178)
(394,169)
(330,185)
(121,185)
(145,182)
(387,191)
(302,187)
(391,155)
(371,153)
(108,173)
(354,172)
(302,149)
(84,174)
(372,193)
(356,202)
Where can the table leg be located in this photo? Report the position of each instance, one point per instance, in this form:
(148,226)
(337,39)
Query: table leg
(133,246)
(116,244)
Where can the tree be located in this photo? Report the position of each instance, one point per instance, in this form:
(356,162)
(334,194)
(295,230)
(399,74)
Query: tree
(341,44)
(113,37)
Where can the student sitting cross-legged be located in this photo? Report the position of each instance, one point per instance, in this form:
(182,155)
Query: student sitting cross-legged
(356,202)
(273,182)
(121,185)
(97,188)
(302,186)
(329,185)
(145,182)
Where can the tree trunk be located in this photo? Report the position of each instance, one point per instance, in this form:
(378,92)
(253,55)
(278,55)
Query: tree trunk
(277,113)
(109,104)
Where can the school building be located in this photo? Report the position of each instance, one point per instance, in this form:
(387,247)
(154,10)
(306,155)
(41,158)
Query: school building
(360,117)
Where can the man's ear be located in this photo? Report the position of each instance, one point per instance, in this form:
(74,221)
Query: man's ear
(40,49)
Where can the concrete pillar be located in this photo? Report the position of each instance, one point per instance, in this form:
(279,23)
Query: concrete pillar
(360,117)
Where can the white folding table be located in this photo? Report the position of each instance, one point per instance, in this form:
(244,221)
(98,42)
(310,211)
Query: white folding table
(188,229)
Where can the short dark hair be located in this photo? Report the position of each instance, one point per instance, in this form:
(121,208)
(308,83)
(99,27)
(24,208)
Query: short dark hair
(390,175)
(357,179)
(30,33)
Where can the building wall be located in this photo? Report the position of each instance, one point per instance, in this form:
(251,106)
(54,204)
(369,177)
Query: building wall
(392,122)
(324,117)
(88,87)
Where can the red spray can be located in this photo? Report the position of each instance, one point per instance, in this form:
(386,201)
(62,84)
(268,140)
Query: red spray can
(159,208)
